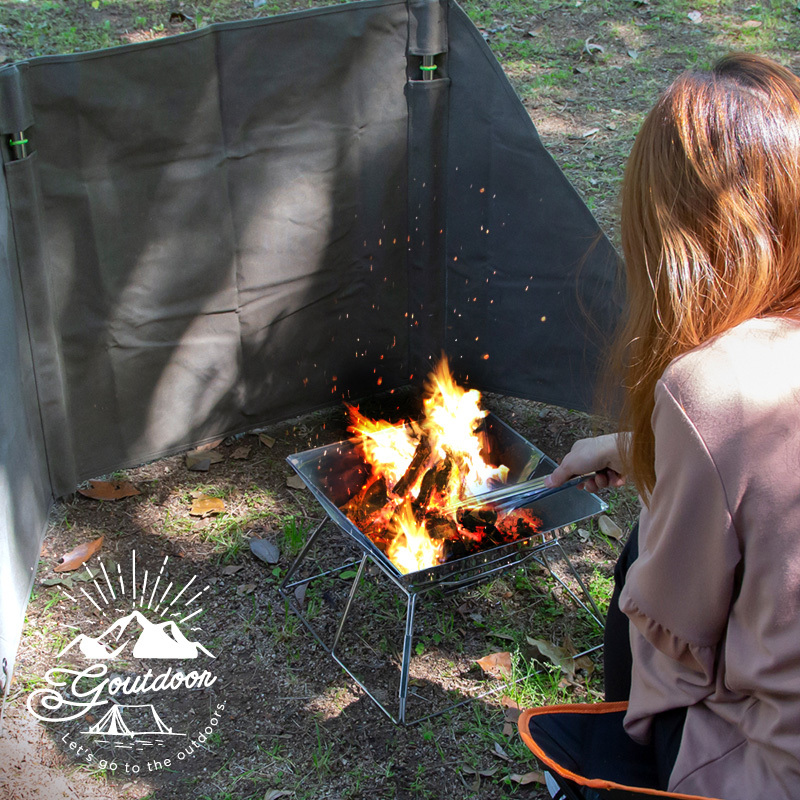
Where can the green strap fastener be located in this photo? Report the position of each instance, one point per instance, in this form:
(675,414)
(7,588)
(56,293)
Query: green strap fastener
(17,142)
(429,69)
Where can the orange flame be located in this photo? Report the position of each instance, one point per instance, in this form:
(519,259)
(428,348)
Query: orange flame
(426,469)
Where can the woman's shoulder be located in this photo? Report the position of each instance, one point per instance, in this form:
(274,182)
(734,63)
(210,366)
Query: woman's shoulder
(748,373)
(757,359)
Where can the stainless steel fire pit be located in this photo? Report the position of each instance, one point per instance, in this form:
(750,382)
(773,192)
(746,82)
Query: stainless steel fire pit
(334,473)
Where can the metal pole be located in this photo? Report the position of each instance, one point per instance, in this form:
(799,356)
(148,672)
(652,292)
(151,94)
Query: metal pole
(301,556)
(349,603)
(409,635)
(598,613)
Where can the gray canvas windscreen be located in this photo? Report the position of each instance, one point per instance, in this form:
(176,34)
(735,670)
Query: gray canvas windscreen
(227,245)
(24,483)
(529,276)
(242,224)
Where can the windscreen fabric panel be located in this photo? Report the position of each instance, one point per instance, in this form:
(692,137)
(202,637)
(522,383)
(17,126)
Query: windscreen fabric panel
(24,483)
(224,219)
(530,278)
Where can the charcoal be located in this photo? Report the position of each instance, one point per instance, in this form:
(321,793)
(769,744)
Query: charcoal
(474,518)
(375,497)
(457,548)
(441,527)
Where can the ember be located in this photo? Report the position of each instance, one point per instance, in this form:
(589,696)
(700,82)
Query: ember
(412,505)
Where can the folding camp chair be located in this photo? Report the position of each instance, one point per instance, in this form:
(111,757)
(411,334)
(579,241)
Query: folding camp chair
(588,753)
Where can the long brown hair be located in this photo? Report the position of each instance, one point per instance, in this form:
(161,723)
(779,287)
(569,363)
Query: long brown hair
(710,225)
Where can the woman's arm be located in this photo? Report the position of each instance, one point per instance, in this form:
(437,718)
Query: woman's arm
(678,592)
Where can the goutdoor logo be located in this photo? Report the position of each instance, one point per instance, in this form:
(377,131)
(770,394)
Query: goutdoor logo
(109,718)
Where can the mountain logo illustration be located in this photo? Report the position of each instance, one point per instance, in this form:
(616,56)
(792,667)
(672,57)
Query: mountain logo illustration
(113,723)
(162,640)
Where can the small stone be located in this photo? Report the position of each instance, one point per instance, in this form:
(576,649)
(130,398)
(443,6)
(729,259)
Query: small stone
(295,482)
(300,594)
(198,462)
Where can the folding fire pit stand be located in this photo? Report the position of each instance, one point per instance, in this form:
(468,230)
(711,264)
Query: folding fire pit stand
(334,472)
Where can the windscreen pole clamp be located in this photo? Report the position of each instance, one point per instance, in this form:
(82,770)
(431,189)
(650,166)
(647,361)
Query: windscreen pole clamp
(428,67)
(18,145)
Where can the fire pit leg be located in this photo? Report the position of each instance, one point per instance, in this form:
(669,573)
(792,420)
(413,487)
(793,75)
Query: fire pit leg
(409,634)
(301,556)
(598,614)
(349,603)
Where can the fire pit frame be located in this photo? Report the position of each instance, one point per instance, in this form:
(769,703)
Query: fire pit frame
(557,511)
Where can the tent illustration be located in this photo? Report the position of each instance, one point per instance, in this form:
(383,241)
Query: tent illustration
(112,723)
(311,208)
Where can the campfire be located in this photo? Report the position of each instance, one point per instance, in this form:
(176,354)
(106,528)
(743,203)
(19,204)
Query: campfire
(420,503)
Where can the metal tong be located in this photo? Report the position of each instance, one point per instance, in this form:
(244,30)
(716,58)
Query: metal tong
(508,498)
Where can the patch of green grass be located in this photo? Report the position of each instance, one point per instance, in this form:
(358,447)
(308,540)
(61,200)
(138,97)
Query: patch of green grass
(534,684)
(601,587)
(227,535)
(321,757)
(294,534)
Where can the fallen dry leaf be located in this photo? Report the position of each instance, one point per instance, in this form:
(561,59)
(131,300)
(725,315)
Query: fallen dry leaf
(267,441)
(209,445)
(583,663)
(265,550)
(274,794)
(510,720)
(486,773)
(553,653)
(295,482)
(80,555)
(752,23)
(590,47)
(610,528)
(245,588)
(240,453)
(201,460)
(300,594)
(496,664)
(109,490)
(500,753)
(528,777)
(204,506)
(65,581)
(232,569)
(197,462)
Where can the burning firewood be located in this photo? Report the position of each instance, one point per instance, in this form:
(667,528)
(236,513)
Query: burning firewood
(421,456)
(408,517)
(436,479)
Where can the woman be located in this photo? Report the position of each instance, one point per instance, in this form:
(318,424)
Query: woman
(711,355)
